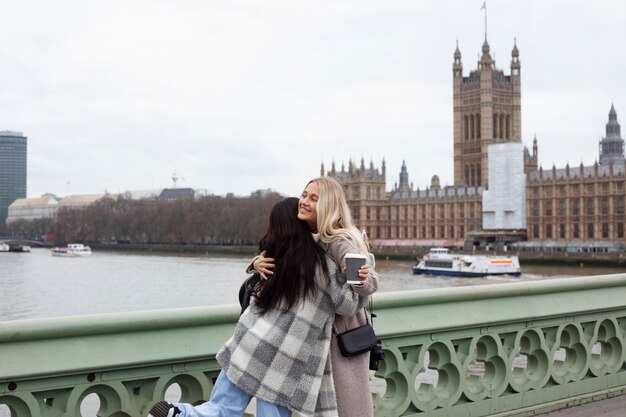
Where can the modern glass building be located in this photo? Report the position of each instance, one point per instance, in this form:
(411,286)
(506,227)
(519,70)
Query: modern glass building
(12,170)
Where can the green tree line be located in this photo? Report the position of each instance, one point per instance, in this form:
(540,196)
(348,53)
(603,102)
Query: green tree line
(210,220)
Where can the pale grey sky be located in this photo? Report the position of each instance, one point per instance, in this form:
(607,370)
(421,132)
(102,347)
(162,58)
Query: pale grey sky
(236,96)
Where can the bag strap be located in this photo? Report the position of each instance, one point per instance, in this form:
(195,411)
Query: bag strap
(367,320)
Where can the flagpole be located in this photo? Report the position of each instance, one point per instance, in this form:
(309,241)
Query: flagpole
(485,8)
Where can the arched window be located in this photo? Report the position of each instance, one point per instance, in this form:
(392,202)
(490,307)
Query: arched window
(472,127)
(478,126)
(478,175)
(501,126)
(465,127)
(495,125)
(467,175)
(508,127)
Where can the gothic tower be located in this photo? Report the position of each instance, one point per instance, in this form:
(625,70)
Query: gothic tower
(612,145)
(487,109)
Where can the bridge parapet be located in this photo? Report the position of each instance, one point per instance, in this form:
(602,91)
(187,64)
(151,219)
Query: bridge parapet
(514,349)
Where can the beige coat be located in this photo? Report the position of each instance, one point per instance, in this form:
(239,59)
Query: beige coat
(351,375)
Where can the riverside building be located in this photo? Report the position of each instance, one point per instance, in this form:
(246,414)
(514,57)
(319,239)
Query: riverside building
(13,147)
(500,194)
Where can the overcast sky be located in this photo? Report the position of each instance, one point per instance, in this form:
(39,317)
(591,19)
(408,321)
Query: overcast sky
(235,96)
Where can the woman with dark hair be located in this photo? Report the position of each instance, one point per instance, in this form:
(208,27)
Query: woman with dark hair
(280,350)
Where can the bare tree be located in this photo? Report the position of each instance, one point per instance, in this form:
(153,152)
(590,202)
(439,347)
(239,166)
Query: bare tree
(209,220)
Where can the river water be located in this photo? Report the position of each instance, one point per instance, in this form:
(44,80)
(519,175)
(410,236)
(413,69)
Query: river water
(37,284)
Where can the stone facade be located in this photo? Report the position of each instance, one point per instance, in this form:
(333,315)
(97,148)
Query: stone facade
(487,110)
(435,213)
(581,204)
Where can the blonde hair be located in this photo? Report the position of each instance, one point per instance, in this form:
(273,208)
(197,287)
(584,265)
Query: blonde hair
(333,215)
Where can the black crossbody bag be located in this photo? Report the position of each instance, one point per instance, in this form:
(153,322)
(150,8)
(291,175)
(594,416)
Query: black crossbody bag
(357,341)
(361,340)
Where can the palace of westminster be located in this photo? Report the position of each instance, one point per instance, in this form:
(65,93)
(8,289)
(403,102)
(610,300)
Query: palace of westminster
(584,204)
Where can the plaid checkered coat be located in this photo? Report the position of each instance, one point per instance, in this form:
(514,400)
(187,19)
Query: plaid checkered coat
(284,357)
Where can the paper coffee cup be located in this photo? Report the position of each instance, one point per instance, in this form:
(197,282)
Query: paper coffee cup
(354,261)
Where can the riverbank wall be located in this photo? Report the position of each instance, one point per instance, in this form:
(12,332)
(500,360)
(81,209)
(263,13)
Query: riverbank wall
(247,250)
(399,253)
(526,257)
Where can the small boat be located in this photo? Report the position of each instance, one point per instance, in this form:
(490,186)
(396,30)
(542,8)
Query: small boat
(4,247)
(19,248)
(440,262)
(72,250)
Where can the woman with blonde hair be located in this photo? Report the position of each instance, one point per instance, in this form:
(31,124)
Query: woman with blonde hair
(324,207)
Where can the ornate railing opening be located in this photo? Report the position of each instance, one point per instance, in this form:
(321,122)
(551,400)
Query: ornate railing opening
(514,349)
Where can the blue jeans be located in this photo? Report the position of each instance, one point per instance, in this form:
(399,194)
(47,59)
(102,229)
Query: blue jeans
(228,400)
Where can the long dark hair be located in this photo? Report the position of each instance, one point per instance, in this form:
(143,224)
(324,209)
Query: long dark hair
(288,240)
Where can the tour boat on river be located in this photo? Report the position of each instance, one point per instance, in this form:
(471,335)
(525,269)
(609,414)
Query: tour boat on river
(72,250)
(440,262)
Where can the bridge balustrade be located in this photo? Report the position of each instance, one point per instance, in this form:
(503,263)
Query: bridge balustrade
(514,349)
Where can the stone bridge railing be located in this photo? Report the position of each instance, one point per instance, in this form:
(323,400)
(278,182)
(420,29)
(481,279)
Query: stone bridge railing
(514,349)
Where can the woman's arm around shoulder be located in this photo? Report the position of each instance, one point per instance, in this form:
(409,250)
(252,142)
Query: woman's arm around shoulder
(261,265)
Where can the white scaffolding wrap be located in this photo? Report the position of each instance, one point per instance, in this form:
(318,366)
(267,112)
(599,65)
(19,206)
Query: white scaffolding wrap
(504,202)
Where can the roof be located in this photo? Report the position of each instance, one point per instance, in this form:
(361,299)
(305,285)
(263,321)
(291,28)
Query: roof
(83,199)
(447,191)
(576,171)
(139,194)
(38,201)
(426,243)
(175,193)
(11,134)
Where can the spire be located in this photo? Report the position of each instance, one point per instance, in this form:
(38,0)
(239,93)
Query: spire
(612,113)
(404,177)
(515,51)
(457,67)
(515,64)
(612,145)
(486,62)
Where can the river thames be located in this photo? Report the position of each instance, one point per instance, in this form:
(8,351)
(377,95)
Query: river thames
(38,285)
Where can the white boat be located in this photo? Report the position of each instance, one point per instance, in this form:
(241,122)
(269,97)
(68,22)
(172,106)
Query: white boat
(440,262)
(4,247)
(72,250)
